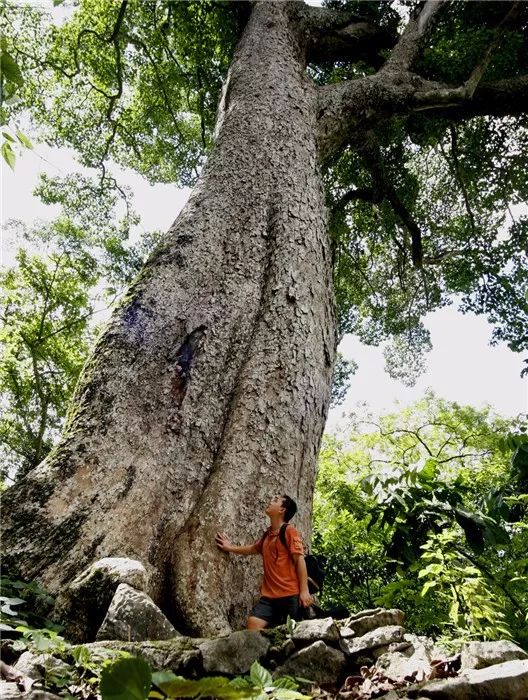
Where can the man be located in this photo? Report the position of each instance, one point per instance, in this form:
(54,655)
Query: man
(285,582)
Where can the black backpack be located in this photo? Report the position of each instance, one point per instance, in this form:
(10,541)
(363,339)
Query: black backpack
(315,566)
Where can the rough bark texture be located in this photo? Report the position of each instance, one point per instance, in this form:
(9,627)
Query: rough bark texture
(209,390)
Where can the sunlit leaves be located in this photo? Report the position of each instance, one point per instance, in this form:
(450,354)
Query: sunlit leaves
(412,504)
(136,83)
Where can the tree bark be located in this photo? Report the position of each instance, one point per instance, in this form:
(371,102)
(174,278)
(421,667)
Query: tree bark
(208,391)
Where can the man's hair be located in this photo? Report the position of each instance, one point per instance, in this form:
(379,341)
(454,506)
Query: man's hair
(290,507)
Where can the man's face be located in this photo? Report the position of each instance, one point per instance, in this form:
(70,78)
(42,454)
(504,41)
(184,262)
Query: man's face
(275,507)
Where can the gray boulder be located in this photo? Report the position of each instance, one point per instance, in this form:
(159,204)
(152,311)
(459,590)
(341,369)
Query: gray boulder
(84,602)
(11,691)
(506,681)
(316,630)
(482,654)
(380,637)
(36,666)
(133,616)
(233,654)
(368,620)
(179,655)
(318,663)
(412,662)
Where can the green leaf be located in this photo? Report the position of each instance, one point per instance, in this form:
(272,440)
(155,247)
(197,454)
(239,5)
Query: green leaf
(217,687)
(288,694)
(8,155)
(159,677)
(6,628)
(81,654)
(10,69)
(126,679)
(520,460)
(260,676)
(427,587)
(24,140)
(8,136)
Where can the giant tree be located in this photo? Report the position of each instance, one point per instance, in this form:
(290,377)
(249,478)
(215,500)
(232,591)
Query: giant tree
(361,153)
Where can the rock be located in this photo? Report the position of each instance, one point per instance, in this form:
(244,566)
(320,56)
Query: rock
(37,666)
(179,655)
(313,630)
(133,616)
(233,654)
(505,681)
(287,648)
(318,663)
(380,637)
(361,623)
(481,654)
(413,661)
(11,691)
(364,613)
(84,603)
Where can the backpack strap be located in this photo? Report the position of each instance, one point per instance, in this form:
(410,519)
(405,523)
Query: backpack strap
(282,535)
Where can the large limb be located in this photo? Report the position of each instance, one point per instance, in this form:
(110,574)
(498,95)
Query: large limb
(497,99)
(409,45)
(336,35)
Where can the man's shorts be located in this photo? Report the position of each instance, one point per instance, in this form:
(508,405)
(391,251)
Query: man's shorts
(276,610)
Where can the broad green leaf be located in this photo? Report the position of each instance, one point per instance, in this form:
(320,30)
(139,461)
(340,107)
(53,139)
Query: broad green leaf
(163,677)
(126,679)
(217,687)
(8,155)
(24,140)
(260,676)
(288,694)
(427,587)
(10,69)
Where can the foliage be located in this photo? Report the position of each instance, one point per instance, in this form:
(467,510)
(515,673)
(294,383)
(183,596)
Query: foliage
(49,301)
(132,678)
(343,371)
(25,604)
(425,510)
(137,83)
(11,80)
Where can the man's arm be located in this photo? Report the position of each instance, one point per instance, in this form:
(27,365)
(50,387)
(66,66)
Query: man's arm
(305,597)
(225,545)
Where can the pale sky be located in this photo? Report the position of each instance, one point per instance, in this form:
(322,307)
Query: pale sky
(462,366)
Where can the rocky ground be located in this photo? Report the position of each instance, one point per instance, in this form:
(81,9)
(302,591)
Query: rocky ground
(369,655)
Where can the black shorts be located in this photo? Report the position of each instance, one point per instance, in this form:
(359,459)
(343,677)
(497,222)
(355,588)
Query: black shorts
(276,610)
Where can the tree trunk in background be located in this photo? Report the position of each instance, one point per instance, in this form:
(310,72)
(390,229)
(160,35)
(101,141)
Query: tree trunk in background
(209,390)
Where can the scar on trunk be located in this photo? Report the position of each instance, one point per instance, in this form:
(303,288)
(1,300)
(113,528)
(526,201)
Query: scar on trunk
(183,363)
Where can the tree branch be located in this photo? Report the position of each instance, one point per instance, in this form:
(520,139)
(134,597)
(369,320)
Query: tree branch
(367,194)
(337,35)
(480,68)
(371,155)
(499,98)
(408,47)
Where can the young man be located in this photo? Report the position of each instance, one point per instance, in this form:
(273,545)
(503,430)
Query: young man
(285,582)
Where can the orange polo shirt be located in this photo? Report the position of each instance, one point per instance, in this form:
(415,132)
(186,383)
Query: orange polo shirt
(280,575)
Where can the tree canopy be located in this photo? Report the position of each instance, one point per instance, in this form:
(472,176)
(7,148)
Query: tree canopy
(423,204)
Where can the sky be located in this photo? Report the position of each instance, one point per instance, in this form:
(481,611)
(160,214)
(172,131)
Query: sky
(462,366)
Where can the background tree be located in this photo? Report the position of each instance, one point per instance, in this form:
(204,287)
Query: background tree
(426,509)
(50,300)
(210,388)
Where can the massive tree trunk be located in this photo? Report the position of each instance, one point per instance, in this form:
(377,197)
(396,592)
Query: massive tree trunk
(208,391)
